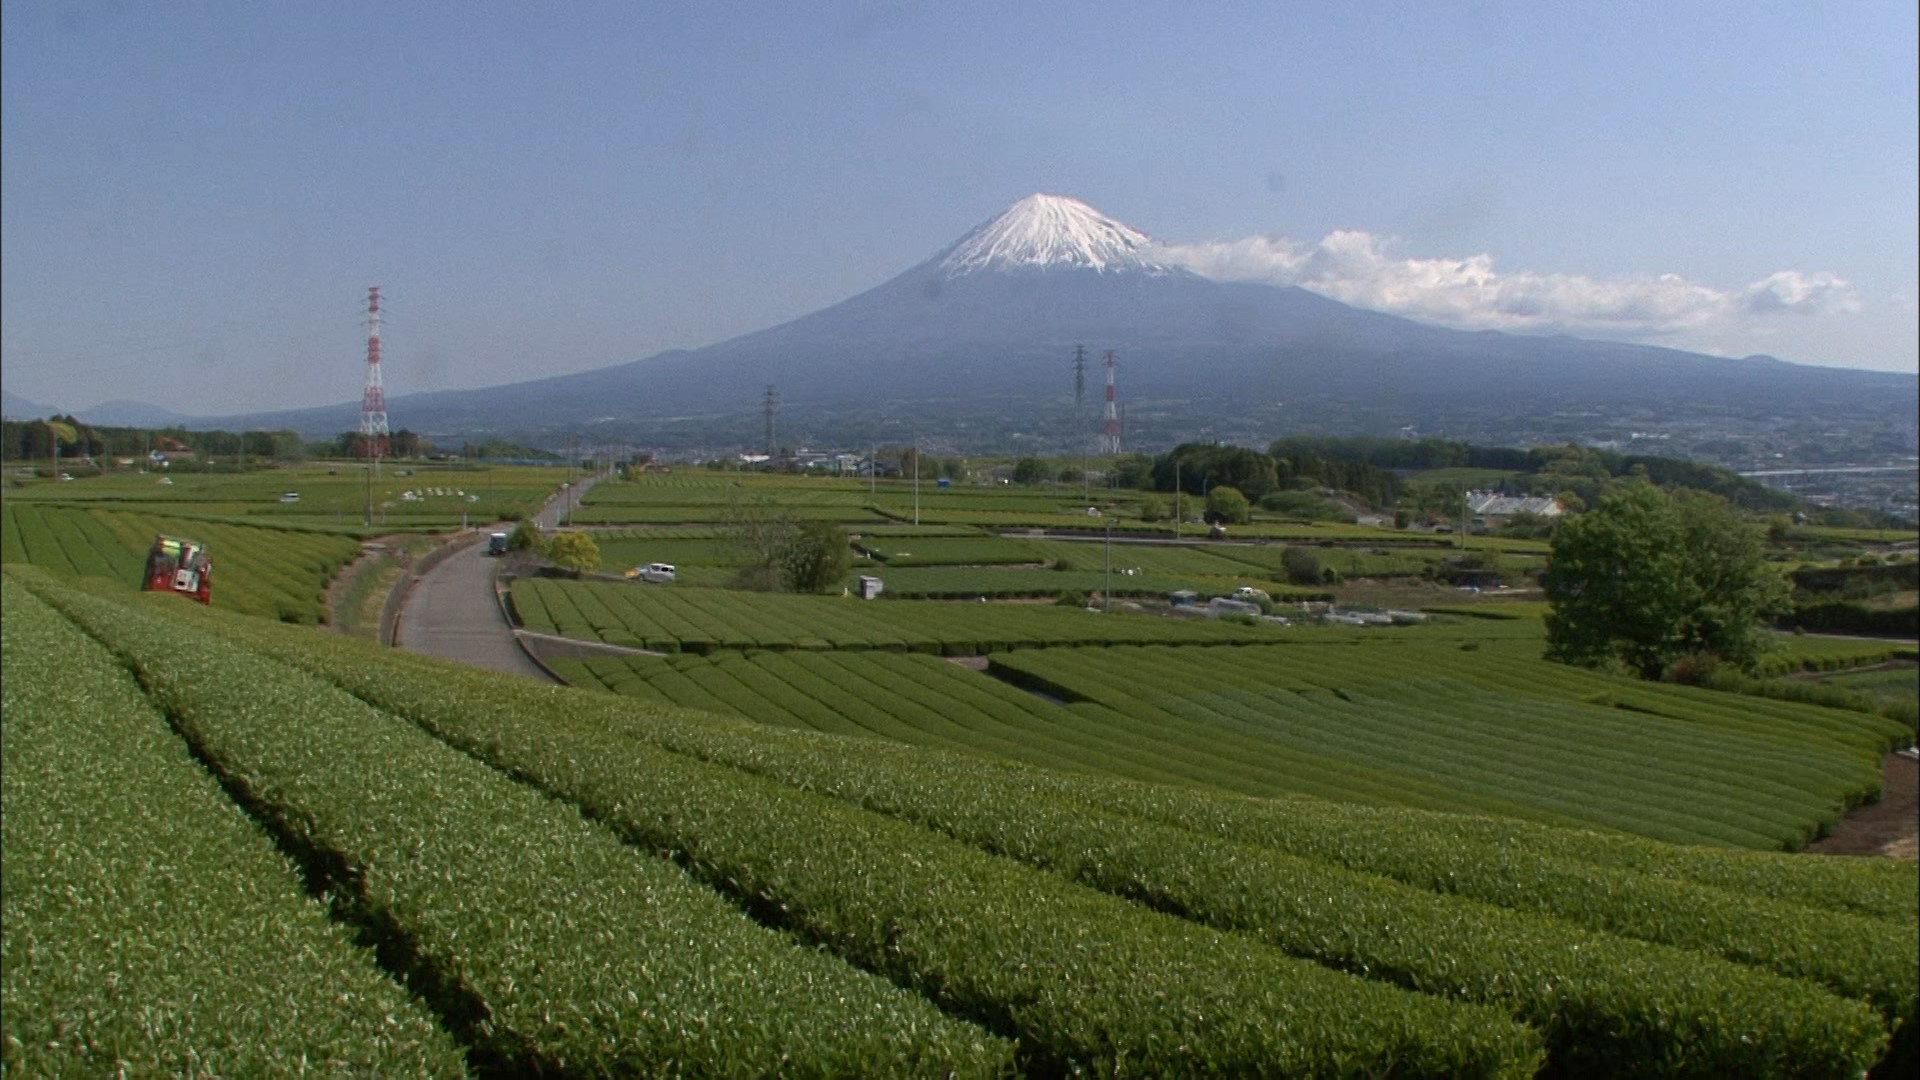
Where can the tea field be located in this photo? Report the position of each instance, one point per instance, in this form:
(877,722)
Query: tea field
(270,557)
(489,875)
(772,834)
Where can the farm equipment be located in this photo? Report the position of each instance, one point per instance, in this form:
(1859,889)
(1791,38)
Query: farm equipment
(179,565)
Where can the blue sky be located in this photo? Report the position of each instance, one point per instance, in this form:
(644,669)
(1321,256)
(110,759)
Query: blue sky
(196,195)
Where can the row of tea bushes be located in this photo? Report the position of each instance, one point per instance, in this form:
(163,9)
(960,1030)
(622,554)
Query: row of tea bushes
(1084,980)
(150,929)
(544,942)
(1607,1003)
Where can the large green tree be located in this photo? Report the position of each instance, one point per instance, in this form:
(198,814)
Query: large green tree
(1228,505)
(815,558)
(1201,467)
(1649,576)
(1031,470)
(573,551)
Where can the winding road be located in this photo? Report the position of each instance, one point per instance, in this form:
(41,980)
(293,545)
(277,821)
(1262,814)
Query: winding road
(451,611)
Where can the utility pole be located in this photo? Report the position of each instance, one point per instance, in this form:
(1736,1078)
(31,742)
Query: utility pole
(1079,435)
(572,453)
(1106,594)
(773,405)
(873,466)
(1176,499)
(916,478)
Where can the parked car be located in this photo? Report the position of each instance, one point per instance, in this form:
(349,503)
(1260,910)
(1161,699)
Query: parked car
(656,572)
(290,497)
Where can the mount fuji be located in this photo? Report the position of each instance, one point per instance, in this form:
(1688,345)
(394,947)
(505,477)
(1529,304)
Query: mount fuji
(982,334)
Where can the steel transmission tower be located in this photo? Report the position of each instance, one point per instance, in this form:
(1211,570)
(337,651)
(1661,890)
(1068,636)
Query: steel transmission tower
(1113,415)
(373,400)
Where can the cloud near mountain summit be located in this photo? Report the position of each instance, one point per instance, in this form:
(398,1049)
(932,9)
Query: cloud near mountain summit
(1359,268)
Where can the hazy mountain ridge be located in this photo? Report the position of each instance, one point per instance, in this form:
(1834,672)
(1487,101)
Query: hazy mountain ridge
(995,317)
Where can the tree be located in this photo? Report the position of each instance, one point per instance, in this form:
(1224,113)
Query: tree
(1031,470)
(524,537)
(1133,471)
(1648,577)
(1227,505)
(1152,508)
(1202,466)
(573,551)
(1301,564)
(761,531)
(815,558)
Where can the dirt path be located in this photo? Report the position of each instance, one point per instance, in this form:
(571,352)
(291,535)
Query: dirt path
(364,563)
(1889,827)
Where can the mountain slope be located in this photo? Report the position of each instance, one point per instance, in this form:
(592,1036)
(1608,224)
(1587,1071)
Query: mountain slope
(988,324)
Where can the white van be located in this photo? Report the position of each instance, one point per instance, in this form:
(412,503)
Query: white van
(656,572)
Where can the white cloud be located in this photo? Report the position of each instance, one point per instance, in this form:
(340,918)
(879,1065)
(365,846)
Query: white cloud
(1790,290)
(1359,268)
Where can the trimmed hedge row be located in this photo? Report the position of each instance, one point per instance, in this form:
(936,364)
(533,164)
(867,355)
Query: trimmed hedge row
(1607,1004)
(687,619)
(149,928)
(1858,654)
(1085,980)
(544,941)
(929,702)
(1658,777)
(1848,617)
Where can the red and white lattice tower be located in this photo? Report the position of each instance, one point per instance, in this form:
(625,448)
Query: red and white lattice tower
(1111,443)
(373,401)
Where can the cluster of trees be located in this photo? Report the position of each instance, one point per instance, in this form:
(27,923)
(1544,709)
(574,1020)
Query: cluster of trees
(1585,472)
(503,449)
(1403,454)
(573,551)
(1198,468)
(36,440)
(929,467)
(402,443)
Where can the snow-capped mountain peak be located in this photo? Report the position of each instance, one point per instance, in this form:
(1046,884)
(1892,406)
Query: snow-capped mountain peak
(1043,232)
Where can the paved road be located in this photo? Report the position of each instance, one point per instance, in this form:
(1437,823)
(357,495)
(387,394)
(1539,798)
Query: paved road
(451,611)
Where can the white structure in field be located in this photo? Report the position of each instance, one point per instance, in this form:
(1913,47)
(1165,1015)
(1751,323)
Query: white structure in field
(1493,506)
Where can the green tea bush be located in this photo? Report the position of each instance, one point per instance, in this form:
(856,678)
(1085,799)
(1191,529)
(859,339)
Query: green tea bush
(1608,1004)
(543,940)
(149,928)
(1084,980)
